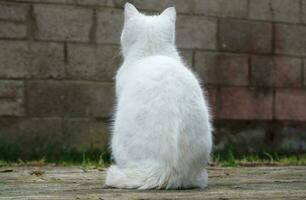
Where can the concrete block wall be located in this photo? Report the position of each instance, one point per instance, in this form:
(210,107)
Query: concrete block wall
(58,59)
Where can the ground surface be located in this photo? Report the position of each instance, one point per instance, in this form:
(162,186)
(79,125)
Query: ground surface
(225,183)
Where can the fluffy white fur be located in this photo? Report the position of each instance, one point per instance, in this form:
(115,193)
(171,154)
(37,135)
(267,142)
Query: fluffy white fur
(162,132)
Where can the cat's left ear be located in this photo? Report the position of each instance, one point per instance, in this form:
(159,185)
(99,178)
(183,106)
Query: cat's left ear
(129,11)
(169,13)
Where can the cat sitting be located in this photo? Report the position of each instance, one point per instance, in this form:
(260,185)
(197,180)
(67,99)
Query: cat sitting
(162,131)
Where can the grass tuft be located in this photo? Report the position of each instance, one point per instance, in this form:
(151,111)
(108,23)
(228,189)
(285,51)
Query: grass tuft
(263,159)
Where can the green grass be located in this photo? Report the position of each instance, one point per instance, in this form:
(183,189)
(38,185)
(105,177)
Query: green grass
(43,162)
(227,159)
(3,163)
(103,160)
(263,159)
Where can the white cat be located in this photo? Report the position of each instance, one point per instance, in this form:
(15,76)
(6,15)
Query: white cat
(162,132)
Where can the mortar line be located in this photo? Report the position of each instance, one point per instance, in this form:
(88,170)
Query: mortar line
(93,29)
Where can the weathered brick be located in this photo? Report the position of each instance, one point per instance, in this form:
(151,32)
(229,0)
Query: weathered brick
(303,11)
(10,108)
(92,62)
(211,94)
(223,8)
(89,99)
(304,73)
(234,8)
(11,89)
(245,136)
(196,32)
(187,57)
(260,136)
(109,25)
(45,98)
(290,39)
(64,23)
(26,137)
(290,104)
(293,137)
(243,36)
(69,99)
(93,2)
(288,72)
(245,103)
(11,30)
(11,98)
(84,134)
(275,10)
(17,12)
(20,59)
(45,60)
(12,63)
(50,1)
(262,71)
(222,69)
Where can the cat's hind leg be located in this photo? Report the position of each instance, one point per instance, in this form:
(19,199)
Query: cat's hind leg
(146,175)
(201,180)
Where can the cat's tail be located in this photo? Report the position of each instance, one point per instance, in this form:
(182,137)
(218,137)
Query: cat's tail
(143,176)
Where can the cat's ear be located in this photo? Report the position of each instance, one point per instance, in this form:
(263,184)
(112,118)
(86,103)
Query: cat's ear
(129,11)
(170,13)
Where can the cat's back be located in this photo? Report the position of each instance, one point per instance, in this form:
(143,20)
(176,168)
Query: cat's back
(159,64)
(158,70)
(157,81)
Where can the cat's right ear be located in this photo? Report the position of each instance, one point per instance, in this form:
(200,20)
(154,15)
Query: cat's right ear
(129,11)
(170,13)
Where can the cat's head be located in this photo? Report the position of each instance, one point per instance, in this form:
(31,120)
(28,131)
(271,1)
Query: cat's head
(147,30)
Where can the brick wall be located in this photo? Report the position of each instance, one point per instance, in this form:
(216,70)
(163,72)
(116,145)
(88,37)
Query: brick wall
(58,57)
